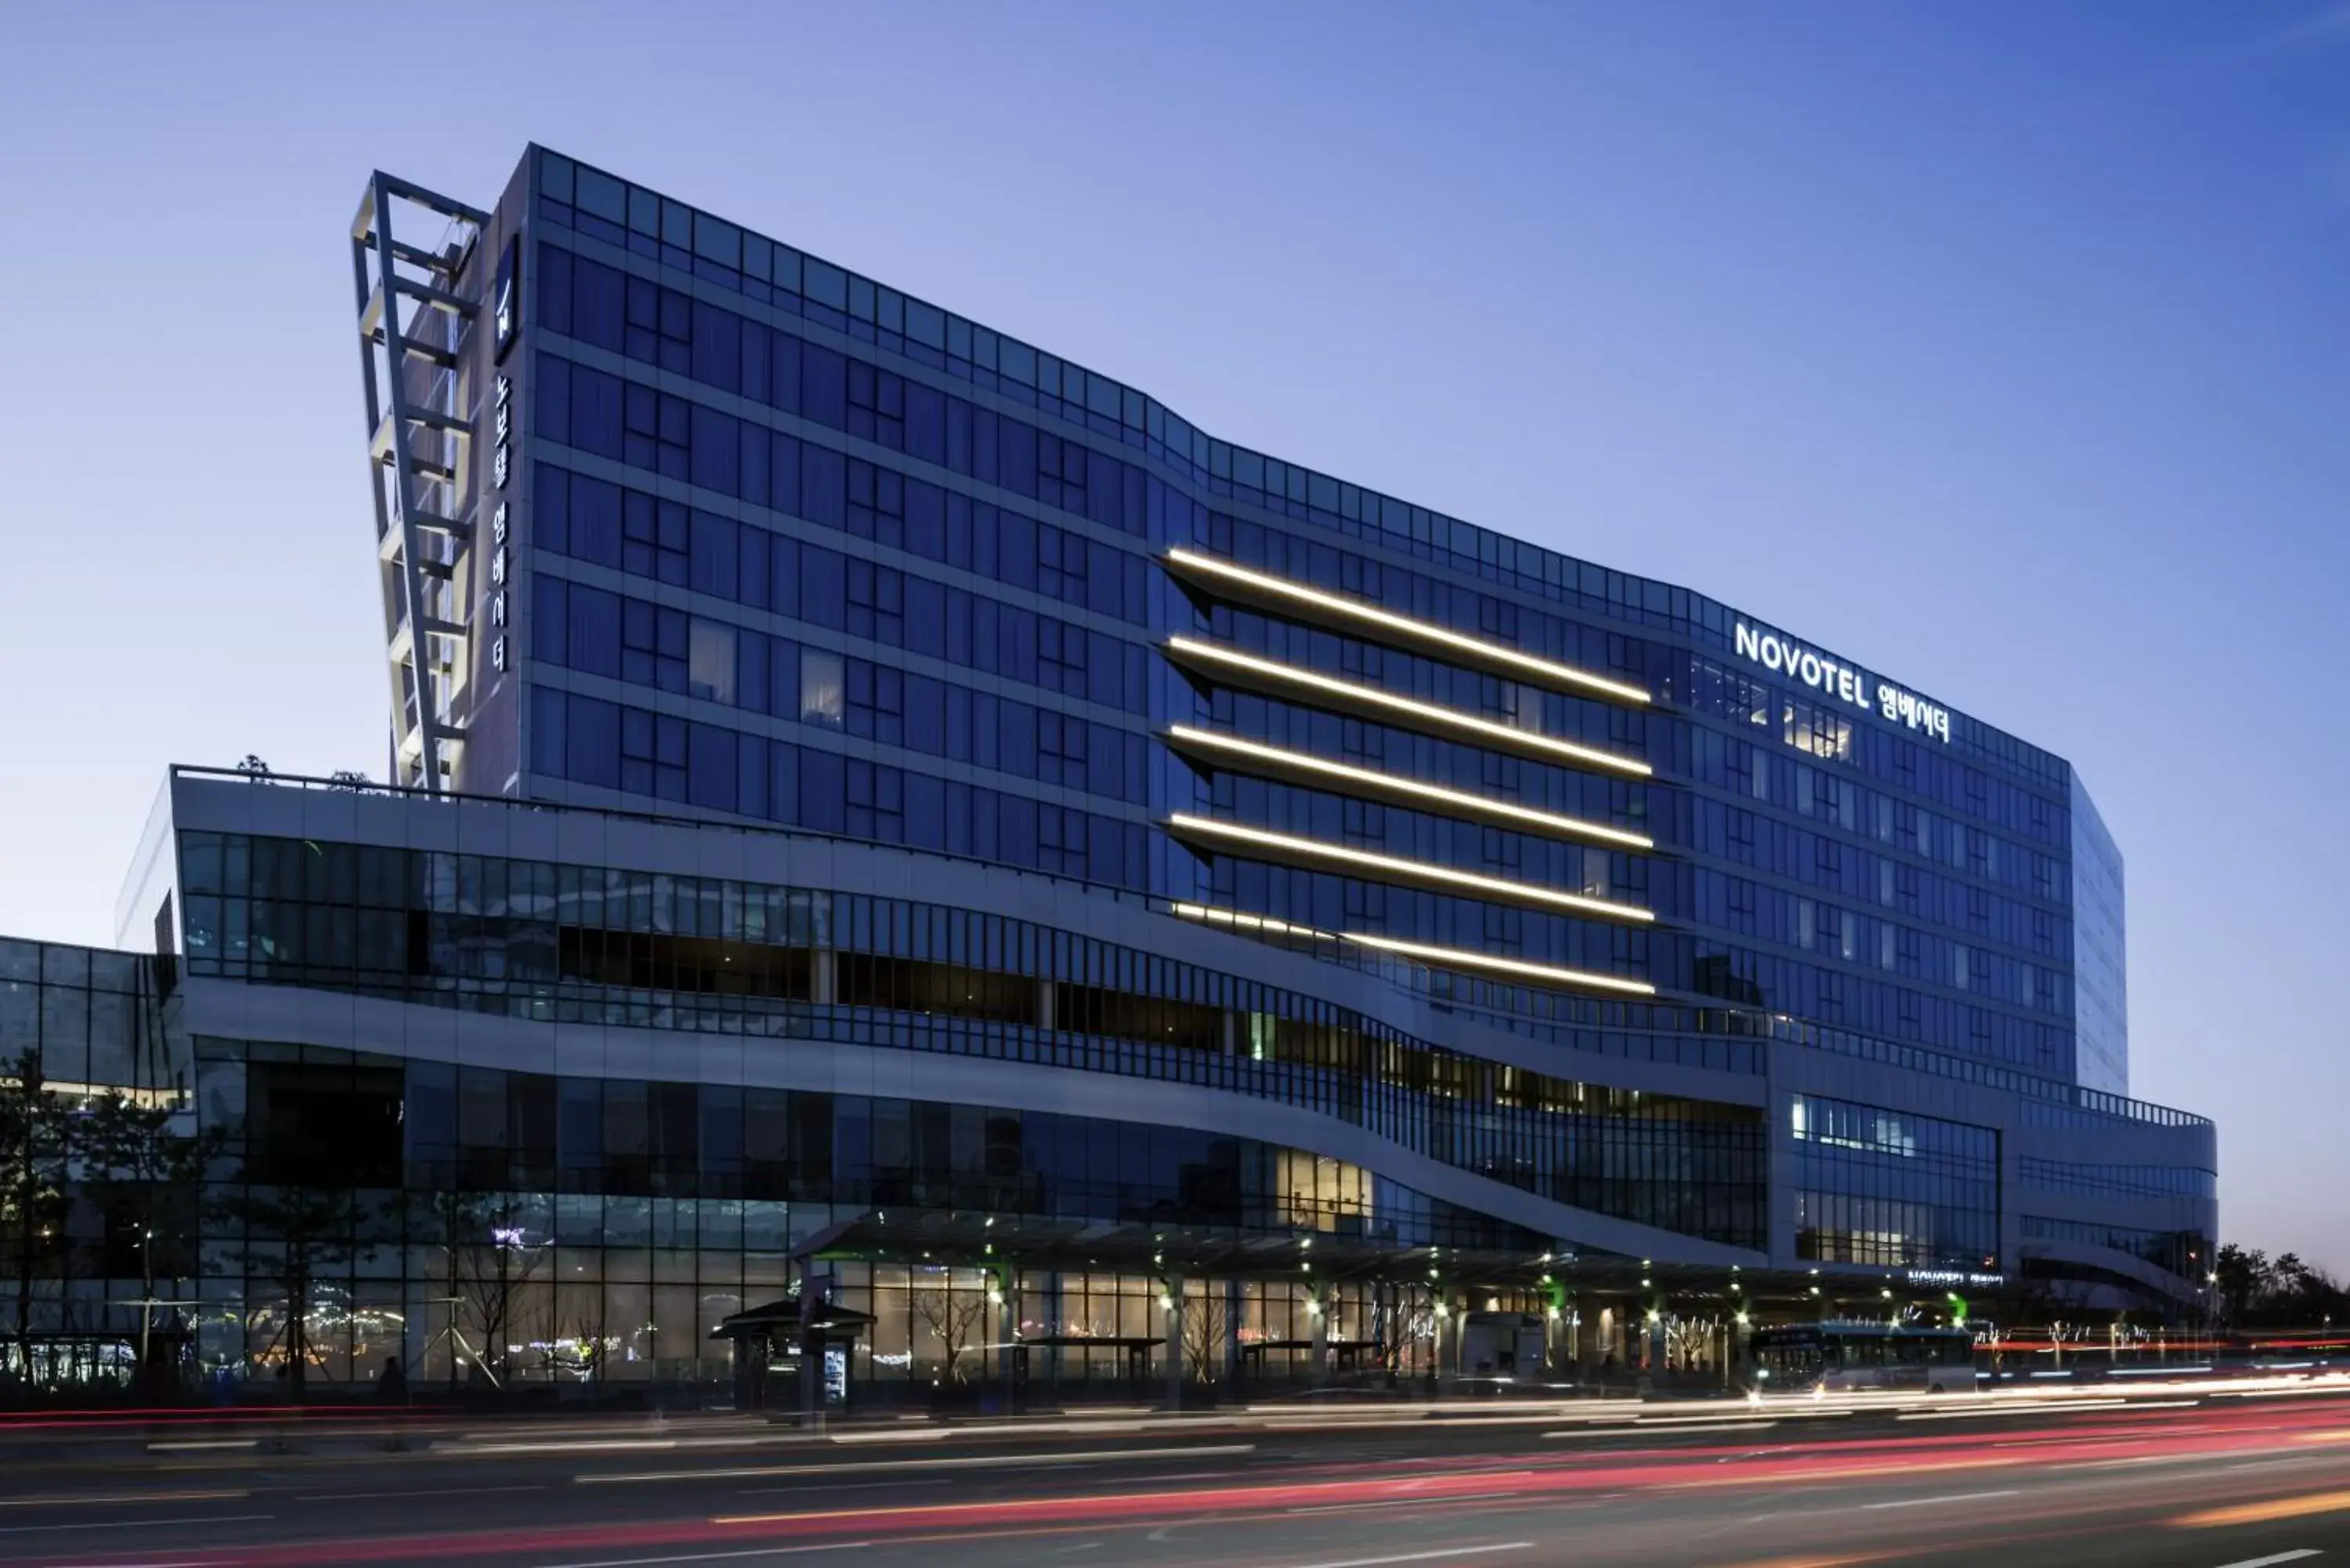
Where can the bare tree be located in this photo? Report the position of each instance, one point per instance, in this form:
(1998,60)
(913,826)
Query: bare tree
(297,1238)
(1204,1336)
(580,1317)
(491,1261)
(953,1317)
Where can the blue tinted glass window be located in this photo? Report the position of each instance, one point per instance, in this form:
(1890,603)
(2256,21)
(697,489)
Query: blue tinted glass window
(550,517)
(550,622)
(717,553)
(592,742)
(593,641)
(712,770)
(548,711)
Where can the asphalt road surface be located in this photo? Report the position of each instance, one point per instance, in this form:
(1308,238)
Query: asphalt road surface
(2200,1477)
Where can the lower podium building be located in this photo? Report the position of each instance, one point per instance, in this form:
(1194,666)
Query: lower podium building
(875,804)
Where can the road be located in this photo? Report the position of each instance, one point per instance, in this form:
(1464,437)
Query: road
(2200,1477)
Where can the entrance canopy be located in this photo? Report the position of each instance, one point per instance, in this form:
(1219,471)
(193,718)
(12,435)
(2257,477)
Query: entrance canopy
(974,1239)
(780,1321)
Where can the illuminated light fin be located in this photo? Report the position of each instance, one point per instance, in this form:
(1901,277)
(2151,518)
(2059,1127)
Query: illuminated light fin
(1371,696)
(1436,794)
(1450,958)
(1456,958)
(1417,870)
(1579,680)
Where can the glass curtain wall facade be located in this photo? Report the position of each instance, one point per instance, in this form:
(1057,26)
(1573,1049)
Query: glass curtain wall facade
(93,1018)
(941,589)
(565,945)
(789,677)
(777,543)
(600,1229)
(849,763)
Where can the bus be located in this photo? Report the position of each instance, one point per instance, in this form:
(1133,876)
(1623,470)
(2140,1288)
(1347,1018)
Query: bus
(1839,1357)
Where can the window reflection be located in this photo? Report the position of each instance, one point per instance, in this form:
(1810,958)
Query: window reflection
(710,671)
(823,688)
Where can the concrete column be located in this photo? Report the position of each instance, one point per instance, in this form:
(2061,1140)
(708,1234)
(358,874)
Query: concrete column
(824,977)
(1045,1001)
(1232,1312)
(1173,1287)
(1319,1321)
(1004,1280)
(1049,1311)
(811,1373)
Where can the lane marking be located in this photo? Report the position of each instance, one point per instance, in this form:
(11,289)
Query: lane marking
(1423,1556)
(396,1496)
(135,1523)
(2301,1507)
(1407,1484)
(2271,1561)
(1998,1412)
(965,1461)
(1845,1472)
(849,1486)
(63,1499)
(189,1445)
(1664,1429)
(594,1446)
(1953,1497)
(715,1556)
(1400,1502)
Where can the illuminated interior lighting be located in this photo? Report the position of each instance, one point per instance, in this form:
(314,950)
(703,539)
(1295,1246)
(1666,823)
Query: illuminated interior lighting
(1566,826)
(1492,885)
(1371,615)
(1373,696)
(1453,958)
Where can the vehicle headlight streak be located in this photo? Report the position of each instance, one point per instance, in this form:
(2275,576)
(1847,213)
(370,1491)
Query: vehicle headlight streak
(1371,615)
(1448,958)
(1372,696)
(1458,800)
(1491,886)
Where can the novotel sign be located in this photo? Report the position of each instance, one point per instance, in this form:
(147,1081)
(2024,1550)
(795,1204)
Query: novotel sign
(1973,1279)
(1842,682)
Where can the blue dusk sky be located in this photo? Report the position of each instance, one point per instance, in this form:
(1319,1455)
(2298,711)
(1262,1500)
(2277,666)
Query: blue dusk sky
(2001,347)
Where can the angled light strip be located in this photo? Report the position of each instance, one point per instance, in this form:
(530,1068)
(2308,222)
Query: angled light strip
(1371,615)
(1448,957)
(1373,696)
(1491,886)
(1215,917)
(1568,827)
(1455,957)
